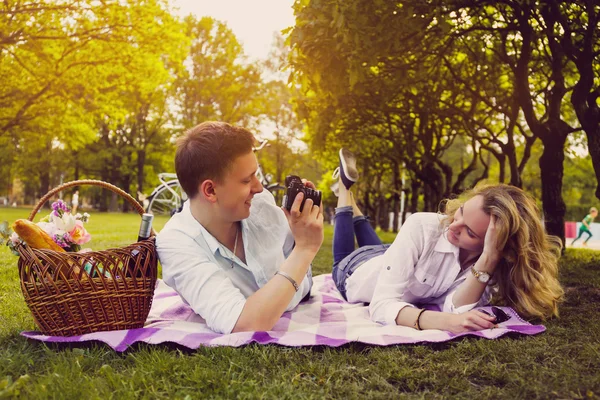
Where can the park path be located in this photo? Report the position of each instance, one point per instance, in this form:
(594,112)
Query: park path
(592,244)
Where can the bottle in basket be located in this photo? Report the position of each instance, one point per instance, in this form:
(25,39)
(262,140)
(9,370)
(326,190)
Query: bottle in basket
(145,227)
(144,234)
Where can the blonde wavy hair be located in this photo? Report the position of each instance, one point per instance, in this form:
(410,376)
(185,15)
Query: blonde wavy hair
(527,275)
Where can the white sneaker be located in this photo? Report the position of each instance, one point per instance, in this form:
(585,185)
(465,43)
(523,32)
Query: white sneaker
(335,188)
(347,168)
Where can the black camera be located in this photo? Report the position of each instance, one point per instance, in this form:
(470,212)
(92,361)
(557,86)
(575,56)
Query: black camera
(294,186)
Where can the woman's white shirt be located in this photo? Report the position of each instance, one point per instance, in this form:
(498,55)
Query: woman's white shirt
(420,267)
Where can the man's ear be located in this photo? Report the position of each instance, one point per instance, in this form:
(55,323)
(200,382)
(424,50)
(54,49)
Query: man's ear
(207,189)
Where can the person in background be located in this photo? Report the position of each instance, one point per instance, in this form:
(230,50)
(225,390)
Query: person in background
(585,226)
(75,202)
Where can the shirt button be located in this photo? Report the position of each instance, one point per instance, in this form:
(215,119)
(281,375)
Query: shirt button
(388,268)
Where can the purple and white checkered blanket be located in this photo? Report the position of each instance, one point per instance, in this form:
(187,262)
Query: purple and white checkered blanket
(326,319)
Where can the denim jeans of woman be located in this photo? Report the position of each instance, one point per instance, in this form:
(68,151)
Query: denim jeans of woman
(346,259)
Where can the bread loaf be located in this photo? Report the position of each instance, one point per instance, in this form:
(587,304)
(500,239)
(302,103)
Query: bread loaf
(34,236)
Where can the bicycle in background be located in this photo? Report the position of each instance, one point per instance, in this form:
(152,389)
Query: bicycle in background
(275,188)
(168,197)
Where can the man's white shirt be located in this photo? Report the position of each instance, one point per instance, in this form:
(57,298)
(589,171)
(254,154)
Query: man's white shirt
(200,268)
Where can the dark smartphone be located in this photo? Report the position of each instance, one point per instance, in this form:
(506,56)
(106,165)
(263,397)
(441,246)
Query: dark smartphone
(500,315)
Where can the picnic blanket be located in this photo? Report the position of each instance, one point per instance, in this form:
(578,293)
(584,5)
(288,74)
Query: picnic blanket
(325,319)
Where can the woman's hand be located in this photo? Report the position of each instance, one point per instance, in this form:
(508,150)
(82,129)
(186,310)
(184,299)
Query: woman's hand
(491,245)
(470,321)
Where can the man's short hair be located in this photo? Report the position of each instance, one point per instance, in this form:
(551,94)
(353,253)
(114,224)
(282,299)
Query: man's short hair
(207,151)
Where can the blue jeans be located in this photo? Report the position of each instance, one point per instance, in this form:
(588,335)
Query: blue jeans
(345,258)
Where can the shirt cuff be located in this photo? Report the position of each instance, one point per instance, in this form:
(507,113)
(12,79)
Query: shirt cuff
(451,308)
(235,314)
(393,310)
(303,290)
(463,309)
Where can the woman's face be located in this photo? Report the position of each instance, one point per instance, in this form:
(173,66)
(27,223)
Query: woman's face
(470,224)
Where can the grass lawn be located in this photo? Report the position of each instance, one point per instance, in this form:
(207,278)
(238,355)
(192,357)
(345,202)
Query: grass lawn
(563,362)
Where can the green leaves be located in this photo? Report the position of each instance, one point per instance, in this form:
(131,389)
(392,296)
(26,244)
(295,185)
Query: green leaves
(218,83)
(69,67)
(420,74)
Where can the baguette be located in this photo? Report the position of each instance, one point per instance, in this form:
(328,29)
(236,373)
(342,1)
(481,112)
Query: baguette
(34,236)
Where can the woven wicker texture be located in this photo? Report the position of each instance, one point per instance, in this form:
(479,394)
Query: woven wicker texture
(76,293)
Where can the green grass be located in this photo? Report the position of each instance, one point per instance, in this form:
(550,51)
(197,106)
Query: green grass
(563,362)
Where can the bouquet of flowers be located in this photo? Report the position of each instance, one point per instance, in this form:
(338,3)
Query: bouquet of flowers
(65,229)
(8,236)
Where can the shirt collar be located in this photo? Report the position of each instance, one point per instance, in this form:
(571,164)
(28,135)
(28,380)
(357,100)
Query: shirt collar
(444,246)
(198,229)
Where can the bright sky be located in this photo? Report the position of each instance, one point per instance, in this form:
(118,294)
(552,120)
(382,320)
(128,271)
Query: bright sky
(252,21)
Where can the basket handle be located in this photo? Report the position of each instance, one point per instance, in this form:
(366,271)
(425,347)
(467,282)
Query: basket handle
(92,182)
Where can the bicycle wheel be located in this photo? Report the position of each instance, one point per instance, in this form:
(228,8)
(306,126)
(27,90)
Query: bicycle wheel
(278,191)
(166,199)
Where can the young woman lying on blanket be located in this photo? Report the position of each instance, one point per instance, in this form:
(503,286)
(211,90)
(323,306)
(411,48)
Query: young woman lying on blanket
(490,240)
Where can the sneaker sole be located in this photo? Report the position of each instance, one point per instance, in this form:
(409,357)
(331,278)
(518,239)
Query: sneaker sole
(349,165)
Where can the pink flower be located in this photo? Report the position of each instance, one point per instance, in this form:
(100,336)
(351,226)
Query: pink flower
(79,234)
(15,239)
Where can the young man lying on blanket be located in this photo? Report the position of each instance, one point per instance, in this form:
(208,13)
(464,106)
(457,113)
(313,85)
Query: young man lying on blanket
(232,254)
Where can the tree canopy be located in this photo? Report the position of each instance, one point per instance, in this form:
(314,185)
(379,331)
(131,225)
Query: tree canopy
(408,79)
(433,96)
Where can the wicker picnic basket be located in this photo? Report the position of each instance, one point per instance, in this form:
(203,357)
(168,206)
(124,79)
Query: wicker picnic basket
(76,293)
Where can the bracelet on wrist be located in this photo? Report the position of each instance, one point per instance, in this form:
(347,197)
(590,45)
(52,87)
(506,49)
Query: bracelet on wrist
(289,278)
(417,325)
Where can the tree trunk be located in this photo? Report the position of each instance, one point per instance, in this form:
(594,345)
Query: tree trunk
(45,174)
(115,179)
(502,165)
(396,197)
(76,159)
(366,206)
(432,187)
(45,184)
(593,138)
(427,197)
(105,170)
(278,158)
(127,188)
(551,170)
(414,195)
(114,202)
(383,220)
(141,162)
(585,102)
(404,210)
(515,175)
(446,180)
(457,188)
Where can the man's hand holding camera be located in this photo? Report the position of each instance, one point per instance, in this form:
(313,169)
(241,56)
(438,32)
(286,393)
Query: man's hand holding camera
(306,225)
(264,308)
